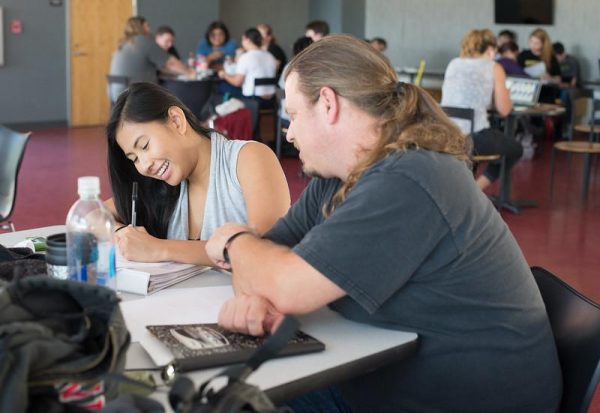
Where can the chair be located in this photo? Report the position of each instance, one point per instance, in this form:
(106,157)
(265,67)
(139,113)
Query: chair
(12,145)
(274,107)
(195,94)
(116,80)
(575,322)
(468,114)
(588,148)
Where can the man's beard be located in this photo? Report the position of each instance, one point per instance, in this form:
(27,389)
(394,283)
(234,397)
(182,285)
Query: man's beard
(311,173)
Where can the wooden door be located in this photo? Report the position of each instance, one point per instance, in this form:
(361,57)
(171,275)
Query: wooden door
(95,29)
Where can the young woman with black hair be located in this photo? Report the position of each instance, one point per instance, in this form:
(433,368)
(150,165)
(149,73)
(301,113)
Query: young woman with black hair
(190,179)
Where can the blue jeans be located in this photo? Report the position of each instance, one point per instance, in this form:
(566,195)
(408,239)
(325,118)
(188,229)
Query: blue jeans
(327,400)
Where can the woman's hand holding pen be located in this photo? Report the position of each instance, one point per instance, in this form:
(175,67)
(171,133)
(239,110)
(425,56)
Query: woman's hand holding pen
(135,244)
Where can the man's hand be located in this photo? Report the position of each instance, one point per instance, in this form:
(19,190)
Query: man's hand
(249,314)
(216,242)
(135,244)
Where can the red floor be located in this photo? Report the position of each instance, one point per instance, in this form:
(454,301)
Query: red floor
(562,236)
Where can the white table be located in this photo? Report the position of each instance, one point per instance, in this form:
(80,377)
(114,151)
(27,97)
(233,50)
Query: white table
(351,348)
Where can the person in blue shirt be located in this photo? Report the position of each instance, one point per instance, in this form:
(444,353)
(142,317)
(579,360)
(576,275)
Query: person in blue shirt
(216,44)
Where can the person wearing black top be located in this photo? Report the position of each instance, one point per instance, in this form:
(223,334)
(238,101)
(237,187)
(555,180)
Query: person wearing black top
(270,45)
(540,50)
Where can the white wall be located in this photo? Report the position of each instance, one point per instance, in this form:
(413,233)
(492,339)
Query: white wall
(432,29)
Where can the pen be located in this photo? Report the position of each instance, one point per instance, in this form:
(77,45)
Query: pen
(134,195)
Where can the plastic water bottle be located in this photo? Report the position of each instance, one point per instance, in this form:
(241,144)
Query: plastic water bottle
(229,65)
(191,60)
(90,244)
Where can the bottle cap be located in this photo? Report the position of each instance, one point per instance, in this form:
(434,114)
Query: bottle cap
(88,186)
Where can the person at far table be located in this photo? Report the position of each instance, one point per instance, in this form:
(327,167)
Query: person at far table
(506,36)
(216,45)
(508,53)
(269,43)
(191,180)
(253,63)
(316,30)
(392,231)
(474,80)
(540,51)
(165,38)
(379,43)
(570,74)
(140,59)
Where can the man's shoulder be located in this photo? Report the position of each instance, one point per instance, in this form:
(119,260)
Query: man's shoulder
(419,168)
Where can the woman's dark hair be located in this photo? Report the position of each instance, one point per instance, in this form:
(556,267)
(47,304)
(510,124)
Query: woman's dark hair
(254,36)
(142,103)
(508,47)
(301,44)
(216,25)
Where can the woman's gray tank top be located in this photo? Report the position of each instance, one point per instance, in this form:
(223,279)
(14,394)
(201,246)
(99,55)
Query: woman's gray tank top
(224,199)
(469,83)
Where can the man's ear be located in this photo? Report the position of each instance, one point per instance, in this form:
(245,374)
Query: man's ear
(331,104)
(177,119)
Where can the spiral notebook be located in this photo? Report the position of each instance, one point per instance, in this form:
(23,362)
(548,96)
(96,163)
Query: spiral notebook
(199,346)
(149,277)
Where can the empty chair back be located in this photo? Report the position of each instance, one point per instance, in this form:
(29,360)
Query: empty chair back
(576,107)
(467,114)
(575,322)
(12,149)
(194,94)
(265,81)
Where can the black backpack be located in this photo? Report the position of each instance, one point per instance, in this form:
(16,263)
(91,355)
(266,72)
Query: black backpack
(58,340)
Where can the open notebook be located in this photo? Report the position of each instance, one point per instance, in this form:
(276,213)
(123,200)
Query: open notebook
(149,277)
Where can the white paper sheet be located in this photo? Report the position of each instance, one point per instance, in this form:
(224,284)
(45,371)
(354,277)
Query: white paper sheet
(172,306)
(536,70)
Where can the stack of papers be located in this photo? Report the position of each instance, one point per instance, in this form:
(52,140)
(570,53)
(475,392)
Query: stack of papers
(149,277)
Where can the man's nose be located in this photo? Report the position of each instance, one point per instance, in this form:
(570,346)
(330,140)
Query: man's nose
(289,135)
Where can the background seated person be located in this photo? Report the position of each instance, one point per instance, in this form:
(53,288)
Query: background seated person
(254,63)
(508,59)
(216,45)
(165,39)
(316,29)
(269,43)
(474,80)
(505,36)
(393,231)
(191,179)
(140,58)
(379,43)
(540,50)
(570,74)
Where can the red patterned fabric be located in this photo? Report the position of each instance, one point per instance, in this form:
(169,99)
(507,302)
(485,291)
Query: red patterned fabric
(236,125)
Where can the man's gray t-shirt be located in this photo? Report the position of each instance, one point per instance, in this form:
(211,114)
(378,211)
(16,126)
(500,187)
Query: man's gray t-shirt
(139,60)
(418,247)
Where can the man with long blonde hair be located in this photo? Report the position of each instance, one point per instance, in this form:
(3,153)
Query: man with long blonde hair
(393,231)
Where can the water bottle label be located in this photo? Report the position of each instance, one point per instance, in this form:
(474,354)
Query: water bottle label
(105,266)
